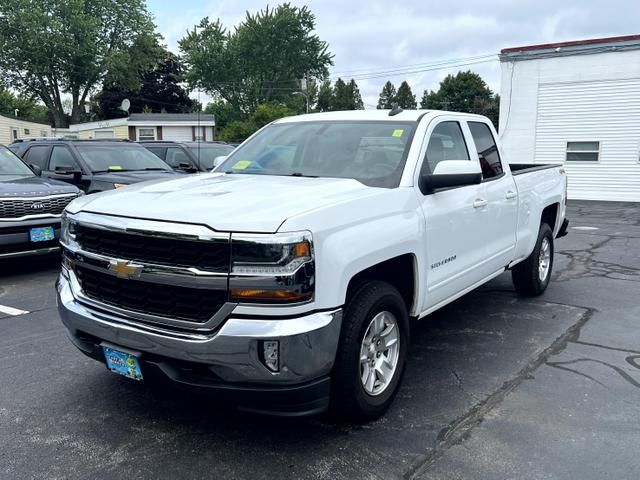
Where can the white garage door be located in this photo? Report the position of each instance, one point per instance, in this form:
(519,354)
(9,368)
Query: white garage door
(598,124)
(178,134)
(101,134)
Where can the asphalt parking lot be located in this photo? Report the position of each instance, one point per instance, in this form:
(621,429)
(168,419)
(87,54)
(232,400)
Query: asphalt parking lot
(496,387)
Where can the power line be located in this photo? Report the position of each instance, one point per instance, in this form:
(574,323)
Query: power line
(417,65)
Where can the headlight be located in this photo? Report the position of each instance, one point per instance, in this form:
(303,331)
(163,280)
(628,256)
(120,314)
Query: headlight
(67,230)
(120,185)
(275,268)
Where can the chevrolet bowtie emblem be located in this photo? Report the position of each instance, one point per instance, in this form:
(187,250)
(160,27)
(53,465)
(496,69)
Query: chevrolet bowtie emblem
(124,269)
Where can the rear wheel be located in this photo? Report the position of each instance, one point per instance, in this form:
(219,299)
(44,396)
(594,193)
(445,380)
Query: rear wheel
(531,277)
(372,352)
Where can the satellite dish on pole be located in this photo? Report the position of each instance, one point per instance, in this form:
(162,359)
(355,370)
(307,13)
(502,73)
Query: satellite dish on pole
(125,105)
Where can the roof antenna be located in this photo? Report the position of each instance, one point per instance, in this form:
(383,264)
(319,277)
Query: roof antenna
(395,110)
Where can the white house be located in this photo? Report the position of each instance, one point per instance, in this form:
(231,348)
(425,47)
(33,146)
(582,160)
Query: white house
(12,128)
(150,126)
(576,103)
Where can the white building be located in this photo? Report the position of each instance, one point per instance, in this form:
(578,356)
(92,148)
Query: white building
(185,127)
(576,103)
(12,128)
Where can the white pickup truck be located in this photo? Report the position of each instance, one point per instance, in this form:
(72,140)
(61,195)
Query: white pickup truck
(286,280)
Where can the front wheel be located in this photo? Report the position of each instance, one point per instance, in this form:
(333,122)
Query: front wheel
(531,276)
(372,352)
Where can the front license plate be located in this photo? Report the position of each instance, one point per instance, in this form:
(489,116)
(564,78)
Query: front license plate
(41,234)
(122,363)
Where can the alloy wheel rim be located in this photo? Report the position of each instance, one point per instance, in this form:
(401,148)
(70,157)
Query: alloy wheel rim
(379,353)
(544,260)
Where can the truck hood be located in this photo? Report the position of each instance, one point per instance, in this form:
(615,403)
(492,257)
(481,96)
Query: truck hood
(237,203)
(19,186)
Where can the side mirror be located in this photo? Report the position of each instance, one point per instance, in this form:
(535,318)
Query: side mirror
(69,170)
(35,169)
(218,161)
(449,174)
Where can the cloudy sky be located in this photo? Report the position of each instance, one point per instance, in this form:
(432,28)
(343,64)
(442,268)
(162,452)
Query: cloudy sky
(368,37)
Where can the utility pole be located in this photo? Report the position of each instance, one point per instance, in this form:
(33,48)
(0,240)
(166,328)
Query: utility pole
(445,104)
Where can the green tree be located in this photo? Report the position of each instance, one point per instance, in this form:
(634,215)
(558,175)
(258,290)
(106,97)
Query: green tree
(261,60)
(464,92)
(265,113)
(325,94)
(55,47)
(405,97)
(28,108)
(224,113)
(346,96)
(159,88)
(387,96)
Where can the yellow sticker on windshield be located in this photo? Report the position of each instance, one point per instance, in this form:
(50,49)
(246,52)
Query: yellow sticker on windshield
(115,167)
(397,132)
(242,164)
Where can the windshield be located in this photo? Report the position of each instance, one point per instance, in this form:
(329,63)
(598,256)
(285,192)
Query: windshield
(118,158)
(371,152)
(208,153)
(10,164)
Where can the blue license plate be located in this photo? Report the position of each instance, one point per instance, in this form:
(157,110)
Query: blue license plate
(41,234)
(122,363)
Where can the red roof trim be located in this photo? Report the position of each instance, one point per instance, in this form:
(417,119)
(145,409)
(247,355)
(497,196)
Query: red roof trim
(574,43)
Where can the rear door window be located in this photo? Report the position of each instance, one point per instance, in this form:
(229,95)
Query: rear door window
(38,155)
(487,150)
(157,151)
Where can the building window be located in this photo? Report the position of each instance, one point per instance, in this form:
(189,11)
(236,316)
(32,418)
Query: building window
(27,131)
(14,133)
(146,133)
(583,151)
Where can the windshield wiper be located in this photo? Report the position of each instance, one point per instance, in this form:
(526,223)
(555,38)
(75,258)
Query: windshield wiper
(298,174)
(120,170)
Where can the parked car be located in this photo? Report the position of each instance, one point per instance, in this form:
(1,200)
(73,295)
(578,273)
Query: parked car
(92,165)
(30,209)
(287,278)
(189,157)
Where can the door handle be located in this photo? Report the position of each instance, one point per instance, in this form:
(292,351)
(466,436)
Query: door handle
(479,203)
(510,194)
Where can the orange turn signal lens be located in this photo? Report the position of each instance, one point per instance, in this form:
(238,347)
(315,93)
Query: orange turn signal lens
(269,295)
(302,249)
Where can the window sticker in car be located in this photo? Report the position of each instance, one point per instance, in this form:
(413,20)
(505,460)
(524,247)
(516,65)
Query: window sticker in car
(397,132)
(242,164)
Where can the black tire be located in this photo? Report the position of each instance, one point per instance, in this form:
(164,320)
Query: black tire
(349,400)
(525,276)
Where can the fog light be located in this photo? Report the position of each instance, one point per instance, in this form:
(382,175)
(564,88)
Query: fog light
(271,354)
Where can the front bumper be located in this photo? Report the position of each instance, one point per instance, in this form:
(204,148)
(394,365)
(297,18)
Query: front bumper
(15,242)
(226,362)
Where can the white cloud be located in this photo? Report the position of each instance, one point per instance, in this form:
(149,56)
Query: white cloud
(375,35)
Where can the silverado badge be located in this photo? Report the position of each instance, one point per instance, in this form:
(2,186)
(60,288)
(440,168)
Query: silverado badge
(125,269)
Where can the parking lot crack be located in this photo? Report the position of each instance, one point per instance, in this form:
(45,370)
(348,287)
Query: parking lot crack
(460,428)
(460,384)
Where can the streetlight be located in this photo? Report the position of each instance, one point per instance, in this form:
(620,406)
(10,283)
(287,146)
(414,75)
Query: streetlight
(306,97)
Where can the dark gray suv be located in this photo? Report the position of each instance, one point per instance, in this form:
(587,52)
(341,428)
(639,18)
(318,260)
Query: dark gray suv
(30,208)
(92,165)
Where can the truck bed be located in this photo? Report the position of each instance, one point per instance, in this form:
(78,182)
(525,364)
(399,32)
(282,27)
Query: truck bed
(520,168)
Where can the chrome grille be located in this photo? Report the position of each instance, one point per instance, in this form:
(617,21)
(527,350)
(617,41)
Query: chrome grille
(191,304)
(18,208)
(210,255)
